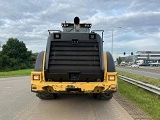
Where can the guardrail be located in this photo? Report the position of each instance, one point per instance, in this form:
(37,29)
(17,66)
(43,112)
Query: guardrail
(143,85)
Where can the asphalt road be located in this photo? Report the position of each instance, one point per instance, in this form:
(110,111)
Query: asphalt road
(18,103)
(141,71)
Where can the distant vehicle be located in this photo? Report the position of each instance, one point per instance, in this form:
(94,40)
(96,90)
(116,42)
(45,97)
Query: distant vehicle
(122,64)
(134,65)
(154,64)
(144,64)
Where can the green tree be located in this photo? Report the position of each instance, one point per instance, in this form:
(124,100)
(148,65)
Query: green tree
(0,60)
(119,60)
(15,49)
(34,57)
(15,55)
(5,62)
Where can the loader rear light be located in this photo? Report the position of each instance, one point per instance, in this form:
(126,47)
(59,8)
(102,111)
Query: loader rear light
(74,41)
(57,36)
(111,77)
(113,88)
(92,36)
(36,77)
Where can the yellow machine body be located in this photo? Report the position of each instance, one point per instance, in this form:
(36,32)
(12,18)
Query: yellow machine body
(39,84)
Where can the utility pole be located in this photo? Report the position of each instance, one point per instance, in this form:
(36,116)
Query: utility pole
(112,38)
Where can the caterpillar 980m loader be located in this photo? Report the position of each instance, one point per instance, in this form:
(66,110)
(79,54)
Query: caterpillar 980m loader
(74,62)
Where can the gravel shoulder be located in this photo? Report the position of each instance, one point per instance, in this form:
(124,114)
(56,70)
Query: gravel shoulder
(131,108)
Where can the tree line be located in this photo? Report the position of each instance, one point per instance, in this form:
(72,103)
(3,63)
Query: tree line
(15,56)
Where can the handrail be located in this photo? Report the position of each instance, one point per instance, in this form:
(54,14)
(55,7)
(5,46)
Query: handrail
(53,30)
(98,31)
(146,86)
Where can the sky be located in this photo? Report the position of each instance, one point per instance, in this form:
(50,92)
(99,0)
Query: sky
(135,24)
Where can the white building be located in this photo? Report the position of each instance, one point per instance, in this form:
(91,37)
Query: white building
(147,57)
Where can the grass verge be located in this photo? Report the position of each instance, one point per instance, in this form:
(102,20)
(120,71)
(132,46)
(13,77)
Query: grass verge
(145,79)
(16,73)
(148,102)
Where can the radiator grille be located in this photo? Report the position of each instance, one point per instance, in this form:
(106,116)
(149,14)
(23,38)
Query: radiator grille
(65,56)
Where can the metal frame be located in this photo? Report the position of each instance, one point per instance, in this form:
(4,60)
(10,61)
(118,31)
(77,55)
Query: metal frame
(54,30)
(146,86)
(98,31)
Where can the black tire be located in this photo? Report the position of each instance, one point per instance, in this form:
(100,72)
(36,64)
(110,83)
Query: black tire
(39,62)
(47,96)
(103,96)
(97,96)
(108,96)
(110,63)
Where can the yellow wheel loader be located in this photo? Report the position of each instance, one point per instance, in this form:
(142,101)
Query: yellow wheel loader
(74,62)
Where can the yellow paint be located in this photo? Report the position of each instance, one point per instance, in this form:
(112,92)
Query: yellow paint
(92,87)
(105,65)
(44,59)
(85,87)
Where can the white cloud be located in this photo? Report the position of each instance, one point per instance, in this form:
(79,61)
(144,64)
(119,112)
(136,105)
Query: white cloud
(29,20)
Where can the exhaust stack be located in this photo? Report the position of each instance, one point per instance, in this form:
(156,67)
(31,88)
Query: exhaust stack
(76,24)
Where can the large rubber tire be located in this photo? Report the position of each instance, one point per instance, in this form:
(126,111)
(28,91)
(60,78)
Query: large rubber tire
(39,62)
(47,96)
(108,96)
(103,96)
(110,63)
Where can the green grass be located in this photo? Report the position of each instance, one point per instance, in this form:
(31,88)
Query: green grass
(148,102)
(145,79)
(16,73)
